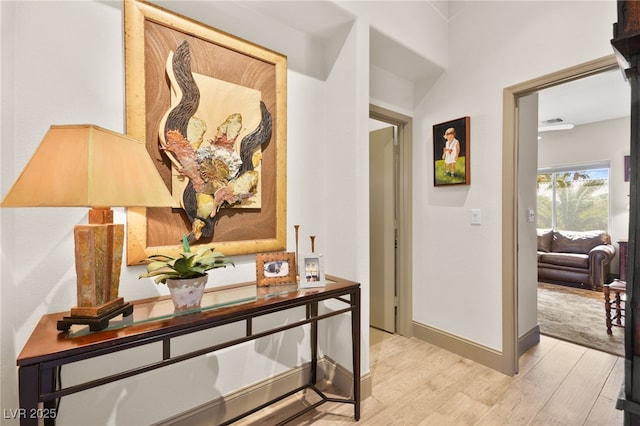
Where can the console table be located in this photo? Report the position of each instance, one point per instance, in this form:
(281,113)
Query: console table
(153,320)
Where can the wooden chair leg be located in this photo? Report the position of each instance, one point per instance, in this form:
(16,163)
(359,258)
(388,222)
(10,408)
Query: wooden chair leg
(616,302)
(618,309)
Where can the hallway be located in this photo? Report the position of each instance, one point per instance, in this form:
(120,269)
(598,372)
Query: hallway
(416,383)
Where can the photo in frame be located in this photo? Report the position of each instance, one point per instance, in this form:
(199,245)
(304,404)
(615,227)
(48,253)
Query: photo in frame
(275,268)
(235,95)
(312,271)
(452,152)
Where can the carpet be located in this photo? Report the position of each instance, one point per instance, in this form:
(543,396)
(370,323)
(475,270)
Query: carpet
(577,315)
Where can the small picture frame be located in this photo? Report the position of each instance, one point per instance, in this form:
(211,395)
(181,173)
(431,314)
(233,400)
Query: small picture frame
(275,268)
(452,152)
(312,271)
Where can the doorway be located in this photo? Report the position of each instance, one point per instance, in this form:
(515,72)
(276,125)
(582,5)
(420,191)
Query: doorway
(514,307)
(583,136)
(401,269)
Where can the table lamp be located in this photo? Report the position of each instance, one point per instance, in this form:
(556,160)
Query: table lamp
(88,166)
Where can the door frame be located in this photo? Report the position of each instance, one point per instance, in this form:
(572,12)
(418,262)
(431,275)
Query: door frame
(510,183)
(404,252)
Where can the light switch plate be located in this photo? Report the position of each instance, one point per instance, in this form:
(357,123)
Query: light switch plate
(476,217)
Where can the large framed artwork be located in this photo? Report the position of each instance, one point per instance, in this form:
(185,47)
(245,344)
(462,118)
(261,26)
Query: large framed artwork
(452,152)
(211,109)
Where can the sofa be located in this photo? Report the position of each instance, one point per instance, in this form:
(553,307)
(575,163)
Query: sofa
(579,259)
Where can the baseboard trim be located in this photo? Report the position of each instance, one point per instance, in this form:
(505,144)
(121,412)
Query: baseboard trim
(460,346)
(528,340)
(236,403)
(343,379)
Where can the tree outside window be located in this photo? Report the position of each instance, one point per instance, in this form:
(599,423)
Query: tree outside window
(574,200)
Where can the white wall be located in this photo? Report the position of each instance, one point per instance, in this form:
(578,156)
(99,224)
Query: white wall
(46,83)
(492,45)
(416,25)
(389,91)
(346,202)
(6,150)
(67,58)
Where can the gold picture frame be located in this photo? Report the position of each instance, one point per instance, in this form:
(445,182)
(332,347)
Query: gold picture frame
(275,268)
(151,34)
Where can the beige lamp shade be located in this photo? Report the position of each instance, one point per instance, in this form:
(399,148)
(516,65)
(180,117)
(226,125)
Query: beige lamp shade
(86,165)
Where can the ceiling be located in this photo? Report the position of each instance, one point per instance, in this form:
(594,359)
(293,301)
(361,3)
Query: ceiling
(320,20)
(599,97)
(591,99)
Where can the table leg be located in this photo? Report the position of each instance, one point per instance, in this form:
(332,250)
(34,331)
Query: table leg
(313,313)
(355,336)
(50,412)
(28,394)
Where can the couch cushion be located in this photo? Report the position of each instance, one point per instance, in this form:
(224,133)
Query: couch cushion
(573,260)
(544,239)
(577,242)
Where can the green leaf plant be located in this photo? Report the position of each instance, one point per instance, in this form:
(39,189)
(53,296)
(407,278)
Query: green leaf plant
(187,264)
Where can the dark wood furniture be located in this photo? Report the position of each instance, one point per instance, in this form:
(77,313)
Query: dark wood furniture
(622,259)
(626,44)
(614,299)
(48,350)
(615,293)
(574,258)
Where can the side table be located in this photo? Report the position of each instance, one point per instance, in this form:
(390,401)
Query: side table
(153,320)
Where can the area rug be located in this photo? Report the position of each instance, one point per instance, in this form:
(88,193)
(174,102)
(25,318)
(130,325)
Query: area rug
(577,315)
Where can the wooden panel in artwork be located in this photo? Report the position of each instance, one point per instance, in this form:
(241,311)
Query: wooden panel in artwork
(151,34)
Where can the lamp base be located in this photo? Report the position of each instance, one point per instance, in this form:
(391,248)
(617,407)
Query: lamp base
(97,311)
(95,323)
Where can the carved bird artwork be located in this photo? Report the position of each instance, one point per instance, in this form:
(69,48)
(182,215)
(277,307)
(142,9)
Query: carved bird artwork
(220,173)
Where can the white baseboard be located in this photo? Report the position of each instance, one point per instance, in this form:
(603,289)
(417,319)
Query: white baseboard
(236,403)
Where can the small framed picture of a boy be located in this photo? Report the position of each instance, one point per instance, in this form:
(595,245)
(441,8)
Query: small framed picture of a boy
(312,271)
(451,152)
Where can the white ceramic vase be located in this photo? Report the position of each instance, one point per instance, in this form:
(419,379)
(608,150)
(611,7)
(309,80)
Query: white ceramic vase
(187,292)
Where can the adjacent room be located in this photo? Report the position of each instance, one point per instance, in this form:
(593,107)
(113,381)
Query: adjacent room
(583,187)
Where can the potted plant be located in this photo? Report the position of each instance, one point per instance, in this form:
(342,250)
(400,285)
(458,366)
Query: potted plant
(186,274)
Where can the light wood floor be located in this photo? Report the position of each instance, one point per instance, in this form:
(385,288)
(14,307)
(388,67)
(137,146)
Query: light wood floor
(415,383)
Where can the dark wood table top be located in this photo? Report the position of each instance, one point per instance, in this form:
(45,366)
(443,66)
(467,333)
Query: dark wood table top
(154,317)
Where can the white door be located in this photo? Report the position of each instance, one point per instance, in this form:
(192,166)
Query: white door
(382,219)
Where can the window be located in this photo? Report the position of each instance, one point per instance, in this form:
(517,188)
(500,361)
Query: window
(574,198)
